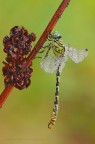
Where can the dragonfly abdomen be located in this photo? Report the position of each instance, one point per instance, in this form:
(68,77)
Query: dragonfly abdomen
(56,101)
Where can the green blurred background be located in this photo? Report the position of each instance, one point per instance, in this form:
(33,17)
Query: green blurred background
(25,114)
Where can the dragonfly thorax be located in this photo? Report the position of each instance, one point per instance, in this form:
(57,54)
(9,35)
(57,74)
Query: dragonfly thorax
(56,44)
(58,50)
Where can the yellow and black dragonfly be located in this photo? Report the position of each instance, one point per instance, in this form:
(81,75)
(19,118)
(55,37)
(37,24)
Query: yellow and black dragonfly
(56,62)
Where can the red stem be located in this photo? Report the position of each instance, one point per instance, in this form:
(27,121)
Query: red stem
(38,45)
(48,29)
(5,94)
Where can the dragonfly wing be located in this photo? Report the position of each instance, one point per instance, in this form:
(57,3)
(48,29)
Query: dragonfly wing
(50,63)
(77,55)
(63,61)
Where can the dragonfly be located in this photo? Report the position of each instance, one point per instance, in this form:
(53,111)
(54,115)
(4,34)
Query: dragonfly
(55,62)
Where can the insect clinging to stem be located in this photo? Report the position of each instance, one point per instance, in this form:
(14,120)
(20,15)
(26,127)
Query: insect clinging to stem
(56,62)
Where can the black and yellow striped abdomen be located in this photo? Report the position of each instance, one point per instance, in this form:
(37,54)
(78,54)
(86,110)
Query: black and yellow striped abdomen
(56,101)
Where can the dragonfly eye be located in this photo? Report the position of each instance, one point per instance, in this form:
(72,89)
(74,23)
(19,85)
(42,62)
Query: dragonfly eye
(59,36)
(55,35)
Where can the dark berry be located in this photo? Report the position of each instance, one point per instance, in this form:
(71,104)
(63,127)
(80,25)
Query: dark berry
(15,30)
(32,37)
(6,39)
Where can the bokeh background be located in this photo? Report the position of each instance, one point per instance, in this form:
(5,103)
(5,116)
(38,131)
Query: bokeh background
(25,114)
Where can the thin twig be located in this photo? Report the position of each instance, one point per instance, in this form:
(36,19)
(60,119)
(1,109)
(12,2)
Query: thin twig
(38,46)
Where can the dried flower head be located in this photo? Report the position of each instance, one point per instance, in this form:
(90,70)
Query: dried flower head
(17,46)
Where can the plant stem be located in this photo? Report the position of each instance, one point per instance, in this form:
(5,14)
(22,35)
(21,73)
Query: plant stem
(5,94)
(38,45)
(46,32)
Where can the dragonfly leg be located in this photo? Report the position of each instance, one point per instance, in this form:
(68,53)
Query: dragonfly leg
(49,47)
(4,63)
(47,52)
(44,48)
(38,57)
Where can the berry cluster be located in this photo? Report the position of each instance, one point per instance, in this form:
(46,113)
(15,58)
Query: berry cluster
(17,46)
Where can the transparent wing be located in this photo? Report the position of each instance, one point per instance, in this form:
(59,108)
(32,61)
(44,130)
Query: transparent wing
(77,55)
(50,63)
(63,62)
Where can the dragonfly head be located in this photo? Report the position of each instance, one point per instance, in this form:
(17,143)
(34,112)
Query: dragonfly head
(55,36)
